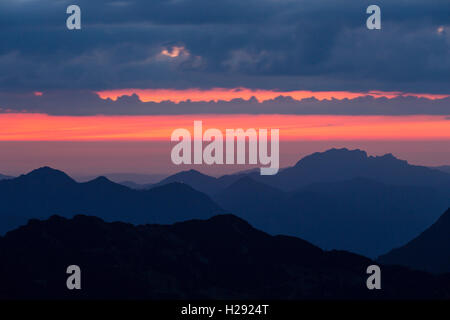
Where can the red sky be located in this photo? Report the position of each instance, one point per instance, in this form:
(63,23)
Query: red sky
(215,94)
(141,144)
(41,127)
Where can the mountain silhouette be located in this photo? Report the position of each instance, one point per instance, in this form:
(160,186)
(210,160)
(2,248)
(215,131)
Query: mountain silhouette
(429,251)
(134,185)
(329,166)
(258,203)
(340,198)
(45,192)
(343,164)
(195,179)
(443,168)
(220,258)
(358,215)
(3,177)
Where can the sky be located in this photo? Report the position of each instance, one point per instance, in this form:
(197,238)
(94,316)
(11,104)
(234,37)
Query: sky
(137,70)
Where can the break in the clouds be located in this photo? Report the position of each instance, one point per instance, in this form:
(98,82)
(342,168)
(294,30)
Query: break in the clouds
(270,44)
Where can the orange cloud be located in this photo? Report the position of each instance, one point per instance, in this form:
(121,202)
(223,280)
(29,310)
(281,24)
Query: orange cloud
(174,52)
(40,127)
(215,94)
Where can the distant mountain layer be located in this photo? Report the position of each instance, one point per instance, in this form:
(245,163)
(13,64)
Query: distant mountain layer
(3,177)
(220,258)
(331,201)
(443,168)
(343,164)
(329,166)
(197,180)
(45,192)
(430,251)
(340,198)
(358,215)
(137,178)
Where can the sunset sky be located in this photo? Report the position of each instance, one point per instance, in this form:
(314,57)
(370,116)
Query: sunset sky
(39,127)
(137,70)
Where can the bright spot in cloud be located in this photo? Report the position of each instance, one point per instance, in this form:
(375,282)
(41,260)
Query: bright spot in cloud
(440,30)
(175,52)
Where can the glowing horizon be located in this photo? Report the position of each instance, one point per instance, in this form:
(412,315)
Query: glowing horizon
(226,94)
(42,127)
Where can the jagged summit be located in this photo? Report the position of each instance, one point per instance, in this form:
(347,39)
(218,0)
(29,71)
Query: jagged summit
(348,156)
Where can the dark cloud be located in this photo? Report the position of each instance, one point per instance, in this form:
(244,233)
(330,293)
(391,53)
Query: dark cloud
(271,44)
(88,103)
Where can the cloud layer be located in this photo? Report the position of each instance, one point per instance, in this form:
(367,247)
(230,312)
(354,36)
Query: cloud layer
(72,102)
(270,44)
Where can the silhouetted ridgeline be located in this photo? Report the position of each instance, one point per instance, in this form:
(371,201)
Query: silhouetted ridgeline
(430,251)
(329,166)
(223,257)
(337,199)
(45,192)
(4,177)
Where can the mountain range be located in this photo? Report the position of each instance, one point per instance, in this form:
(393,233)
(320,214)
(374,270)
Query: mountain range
(329,166)
(337,199)
(359,215)
(45,192)
(343,199)
(219,258)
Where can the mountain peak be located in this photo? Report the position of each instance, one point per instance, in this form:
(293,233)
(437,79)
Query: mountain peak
(101,179)
(48,174)
(334,154)
(189,174)
(348,156)
(193,171)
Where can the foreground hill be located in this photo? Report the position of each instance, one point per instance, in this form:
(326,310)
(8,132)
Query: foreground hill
(223,257)
(430,251)
(45,192)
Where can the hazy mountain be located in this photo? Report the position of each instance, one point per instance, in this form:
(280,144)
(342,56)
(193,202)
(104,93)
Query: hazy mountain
(197,180)
(137,178)
(329,166)
(359,215)
(45,191)
(429,251)
(339,198)
(221,258)
(443,168)
(262,205)
(344,164)
(3,177)
(134,185)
